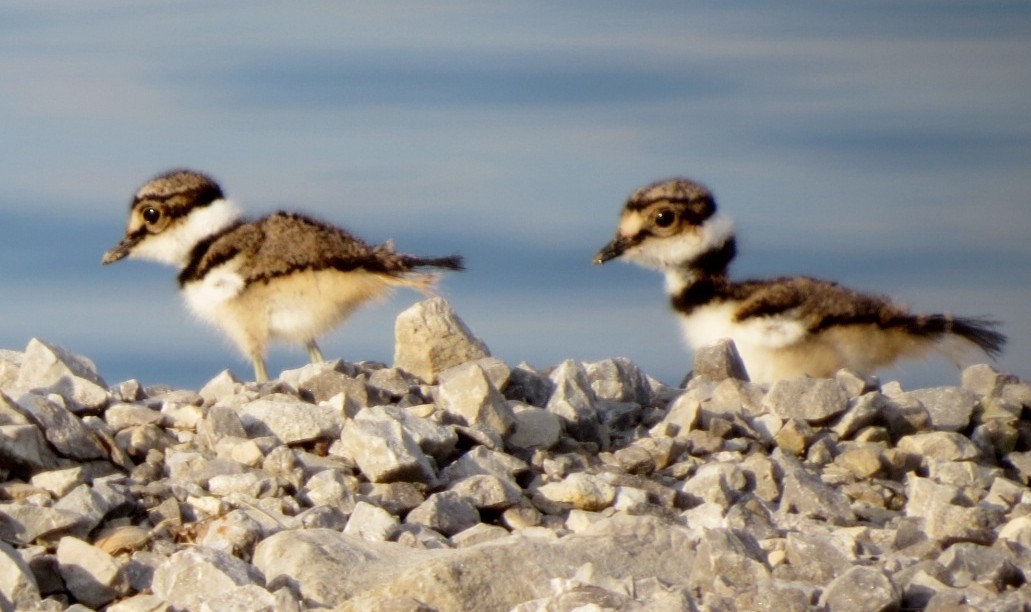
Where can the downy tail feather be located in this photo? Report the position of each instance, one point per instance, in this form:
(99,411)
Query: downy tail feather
(980,331)
(451,262)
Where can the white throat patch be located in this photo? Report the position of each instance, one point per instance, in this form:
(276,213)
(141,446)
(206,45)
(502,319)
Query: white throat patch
(173,245)
(676,251)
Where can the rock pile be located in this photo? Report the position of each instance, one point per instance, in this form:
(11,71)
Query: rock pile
(477,485)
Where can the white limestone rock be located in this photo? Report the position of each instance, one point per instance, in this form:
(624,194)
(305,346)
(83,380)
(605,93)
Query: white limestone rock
(430,338)
(384,451)
(91,575)
(467,394)
(290,421)
(194,576)
(18,587)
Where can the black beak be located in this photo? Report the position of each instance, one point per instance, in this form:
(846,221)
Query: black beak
(614,249)
(120,251)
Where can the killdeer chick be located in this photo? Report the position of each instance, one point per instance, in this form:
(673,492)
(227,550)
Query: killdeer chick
(782,327)
(281,277)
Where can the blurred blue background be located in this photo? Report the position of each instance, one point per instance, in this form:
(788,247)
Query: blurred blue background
(885,145)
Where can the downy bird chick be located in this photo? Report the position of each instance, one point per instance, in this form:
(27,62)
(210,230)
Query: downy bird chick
(782,327)
(284,276)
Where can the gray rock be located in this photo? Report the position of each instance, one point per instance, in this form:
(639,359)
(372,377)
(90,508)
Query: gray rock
(246,598)
(635,460)
(996,437)
(950,408)
(854,384)
(384,451)
(971,476)
(417,535)
(760,471)
(866,409)
(618,380)
(371,523)
(728,560)
(731,398)
(249,484)
(390,383)
(497,371)
(139,440)
(436,440)
(1018,392)
(331,569)
(795,436)
(719,483)
(394,497)
(446,512)
(60,482)
(91,575)
(533,427)
(328,488)
(194,467)
(236,534)
(940,445)
(905,415)
(813,400)
(79,394)
(861,589)
(468,395)
(143,602)
(988,566)
(487,492)
(947,516)
(480,460)
(430,338)
(44,365)
(813,557)
(526,385)
(24,445)
(291,422)
(89,504)
(684,413)
(984,380)
(1021,461)
(325,567)
(1017,531)
(573,401)
(863,461)
(720,361)
(219,422)
(63,430)
(10,363)
(196,575)
(18,587)
(579,490)
(222,388)
(804,493)
(10,412)
(24,523)
(478,534)
(123,415)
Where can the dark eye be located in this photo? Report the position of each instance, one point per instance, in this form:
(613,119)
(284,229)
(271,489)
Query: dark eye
(665,218)
(151,215)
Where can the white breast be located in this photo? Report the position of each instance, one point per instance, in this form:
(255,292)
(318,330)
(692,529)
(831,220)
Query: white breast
(208,296)
(760,341)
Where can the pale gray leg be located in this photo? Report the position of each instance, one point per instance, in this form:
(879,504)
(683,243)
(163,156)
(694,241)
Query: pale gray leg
(260,373)
(314,353)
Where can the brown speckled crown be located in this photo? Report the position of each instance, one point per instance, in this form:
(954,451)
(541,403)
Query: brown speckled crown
(180,191)
(694,199)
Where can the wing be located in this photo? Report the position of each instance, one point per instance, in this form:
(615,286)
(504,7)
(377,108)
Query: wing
(815,304)
(285,243)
